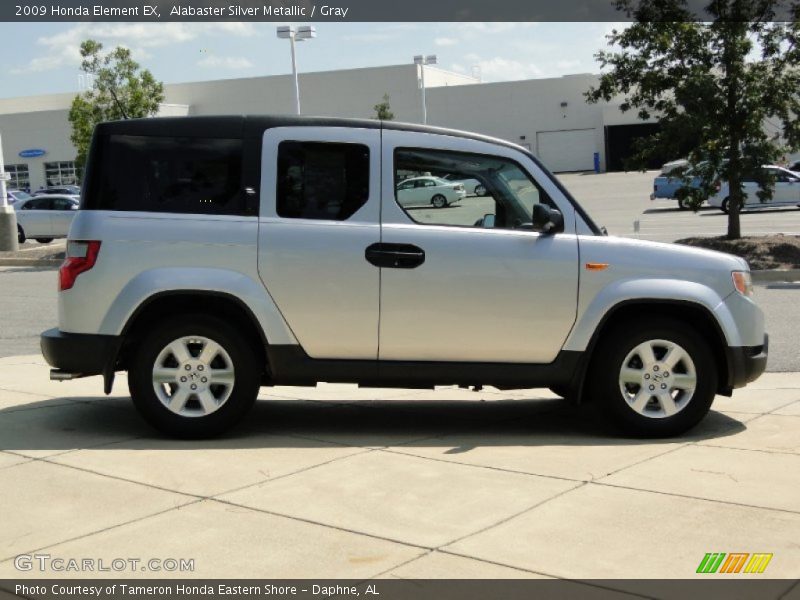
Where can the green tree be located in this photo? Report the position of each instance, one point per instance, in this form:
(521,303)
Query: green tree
(120,89)
(713,85)
(383,110)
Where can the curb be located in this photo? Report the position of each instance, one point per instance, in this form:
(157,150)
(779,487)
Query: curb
(772,275)
(30,262)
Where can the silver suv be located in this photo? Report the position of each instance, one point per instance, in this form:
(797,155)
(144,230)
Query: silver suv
(212,256)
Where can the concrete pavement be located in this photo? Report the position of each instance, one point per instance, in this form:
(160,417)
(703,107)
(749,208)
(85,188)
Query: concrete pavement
(337,481)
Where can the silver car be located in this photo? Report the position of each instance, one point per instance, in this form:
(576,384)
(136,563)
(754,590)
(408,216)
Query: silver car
(429,191)
(214,256)
(45,218)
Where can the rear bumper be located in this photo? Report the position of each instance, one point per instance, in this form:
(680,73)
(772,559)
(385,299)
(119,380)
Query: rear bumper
(79,353)
(747,363)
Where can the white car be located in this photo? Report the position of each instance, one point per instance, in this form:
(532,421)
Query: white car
(434,191)
(472,187)
(786,192)
(44,218)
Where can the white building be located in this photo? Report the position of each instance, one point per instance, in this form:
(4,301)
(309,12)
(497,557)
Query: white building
(549,116)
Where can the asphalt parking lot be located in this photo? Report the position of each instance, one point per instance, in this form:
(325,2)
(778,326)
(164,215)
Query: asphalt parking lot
(341,482)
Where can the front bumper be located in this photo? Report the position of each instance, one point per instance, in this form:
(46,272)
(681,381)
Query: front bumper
(746,363)
(79,353)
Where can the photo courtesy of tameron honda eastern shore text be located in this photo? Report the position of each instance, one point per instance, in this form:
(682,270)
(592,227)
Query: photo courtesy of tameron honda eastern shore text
(212,256)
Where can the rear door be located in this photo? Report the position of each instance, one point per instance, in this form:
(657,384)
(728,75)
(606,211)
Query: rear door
(64,210)
(320,210)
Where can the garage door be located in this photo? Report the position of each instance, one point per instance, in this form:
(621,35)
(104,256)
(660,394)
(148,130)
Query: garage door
(569,150)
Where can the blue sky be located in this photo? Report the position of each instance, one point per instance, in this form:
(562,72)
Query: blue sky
(43,58)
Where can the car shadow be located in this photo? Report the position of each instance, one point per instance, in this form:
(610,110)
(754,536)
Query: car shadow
(676,209)
(112,423)
(756,211)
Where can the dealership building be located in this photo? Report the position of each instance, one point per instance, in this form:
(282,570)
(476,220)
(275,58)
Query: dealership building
(548,116)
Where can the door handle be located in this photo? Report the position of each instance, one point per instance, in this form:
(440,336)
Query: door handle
(395,256)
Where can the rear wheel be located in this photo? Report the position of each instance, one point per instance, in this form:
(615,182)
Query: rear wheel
(683,203)
(439,201)
(20,235)
(653,377)
(194,376)
(44,240)
(480,190)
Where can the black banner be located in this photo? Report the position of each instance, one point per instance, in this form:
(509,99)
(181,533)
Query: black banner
(739,588)
(334,10)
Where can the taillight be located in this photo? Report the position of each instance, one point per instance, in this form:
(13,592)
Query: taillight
(81,256)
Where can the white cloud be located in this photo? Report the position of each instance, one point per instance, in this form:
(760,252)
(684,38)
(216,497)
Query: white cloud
(63,49)
(445,41)
(234,63)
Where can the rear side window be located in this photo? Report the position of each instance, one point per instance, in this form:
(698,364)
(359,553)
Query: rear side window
(317,180)
(167,174)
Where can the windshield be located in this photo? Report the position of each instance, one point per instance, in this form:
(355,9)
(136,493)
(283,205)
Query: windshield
(18,195)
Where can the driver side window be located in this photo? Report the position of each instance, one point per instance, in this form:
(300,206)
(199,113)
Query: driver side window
(442,187)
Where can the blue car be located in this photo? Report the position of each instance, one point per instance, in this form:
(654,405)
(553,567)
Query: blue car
(667,184)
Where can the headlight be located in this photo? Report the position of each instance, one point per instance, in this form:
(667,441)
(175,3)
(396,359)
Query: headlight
(743,282)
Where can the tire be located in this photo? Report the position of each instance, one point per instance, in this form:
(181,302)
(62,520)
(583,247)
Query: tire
(480,190)
(439,201)
(21,235)
(683,204)
(724,206)
(44,240)
(209,409)
(628,405)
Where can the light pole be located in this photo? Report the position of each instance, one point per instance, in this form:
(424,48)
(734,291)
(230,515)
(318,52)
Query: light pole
(421,62)
(288,32)
(8,219)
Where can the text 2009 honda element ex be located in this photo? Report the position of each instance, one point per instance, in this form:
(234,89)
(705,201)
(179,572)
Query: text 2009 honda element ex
(215,255)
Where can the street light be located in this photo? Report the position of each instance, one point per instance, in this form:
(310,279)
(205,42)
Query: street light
(421,62)
(288,32)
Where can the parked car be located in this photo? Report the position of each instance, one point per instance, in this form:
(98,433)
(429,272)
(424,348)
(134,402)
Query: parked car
(69,190)
(786,191)
(205,280)
(429,191)
(669,185)
(15,196)
(45,218)
(472,187)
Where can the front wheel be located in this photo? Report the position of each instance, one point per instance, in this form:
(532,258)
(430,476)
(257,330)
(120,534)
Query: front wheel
(439,201)
(683,203)
(20,235)
(194,376)
(653,378)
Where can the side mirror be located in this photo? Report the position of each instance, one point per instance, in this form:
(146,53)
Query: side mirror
(547,220)
(488,221)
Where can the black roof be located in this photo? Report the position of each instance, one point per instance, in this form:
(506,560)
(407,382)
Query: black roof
(250,126)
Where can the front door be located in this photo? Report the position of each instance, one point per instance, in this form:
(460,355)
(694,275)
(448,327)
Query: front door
(320,210)
(471,282)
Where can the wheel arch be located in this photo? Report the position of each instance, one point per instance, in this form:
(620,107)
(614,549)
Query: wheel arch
(691,312)
(164,304)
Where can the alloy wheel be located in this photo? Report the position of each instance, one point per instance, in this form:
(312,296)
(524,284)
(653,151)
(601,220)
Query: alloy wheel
(657,379)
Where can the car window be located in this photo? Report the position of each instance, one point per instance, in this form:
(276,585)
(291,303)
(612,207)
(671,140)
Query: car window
(167,175)
(38,204)
(406,185)
(63,203)
(319,180)
(510,192)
